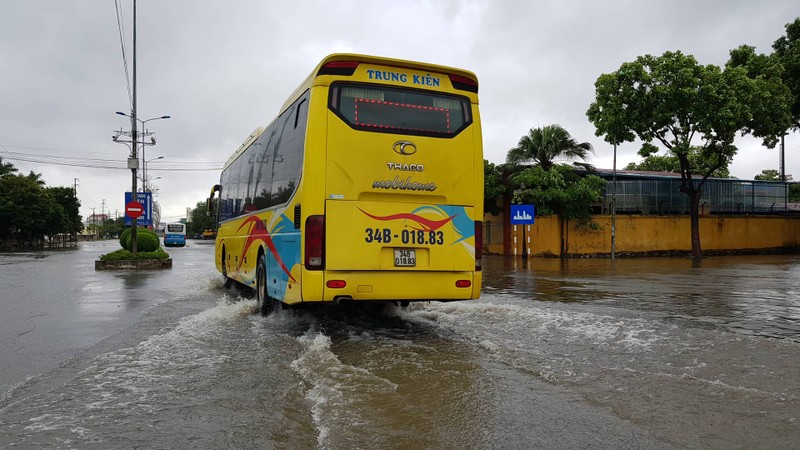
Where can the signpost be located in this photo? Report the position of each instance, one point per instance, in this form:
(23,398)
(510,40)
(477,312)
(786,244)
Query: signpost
(133,209)
(523,215)
(145,201)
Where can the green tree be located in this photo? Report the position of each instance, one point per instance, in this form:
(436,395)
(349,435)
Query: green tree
(768,175)
(493,187)
(24,208)
(111,228)
(558,191)
(29,210)
(36,178)
(783,64)
(67,211)
(794,192)
(787,53)
(670,163)
(673,100)
(6,168)
(544,145)
(200,220)
(769,120)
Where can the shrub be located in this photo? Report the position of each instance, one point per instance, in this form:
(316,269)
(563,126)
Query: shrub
(125,239)
(123,254)
(146,240)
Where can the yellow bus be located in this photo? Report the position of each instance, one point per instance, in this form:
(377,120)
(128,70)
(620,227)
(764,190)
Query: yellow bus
(368,186)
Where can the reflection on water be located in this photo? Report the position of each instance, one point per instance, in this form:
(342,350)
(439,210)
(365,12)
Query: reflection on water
(756,295)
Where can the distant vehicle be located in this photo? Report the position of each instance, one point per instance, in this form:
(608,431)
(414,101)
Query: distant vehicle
(368,186)
(175,235)
(209,234)
(198,236)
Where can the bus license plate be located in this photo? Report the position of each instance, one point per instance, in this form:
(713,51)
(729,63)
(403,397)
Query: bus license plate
(405,257)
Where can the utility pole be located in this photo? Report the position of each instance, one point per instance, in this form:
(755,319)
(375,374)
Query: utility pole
(103,216)
(94,223)
(133,162)
(133,159)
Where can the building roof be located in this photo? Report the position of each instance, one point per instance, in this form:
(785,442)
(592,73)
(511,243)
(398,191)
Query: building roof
(606,173)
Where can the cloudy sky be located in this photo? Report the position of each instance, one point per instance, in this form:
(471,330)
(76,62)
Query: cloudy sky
(220,69)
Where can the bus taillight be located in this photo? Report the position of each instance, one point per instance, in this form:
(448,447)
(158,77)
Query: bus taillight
(464,83)
(345,68)
(315,242)
(478,244)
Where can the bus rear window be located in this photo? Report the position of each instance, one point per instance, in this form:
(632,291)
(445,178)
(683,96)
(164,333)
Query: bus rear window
(401,111)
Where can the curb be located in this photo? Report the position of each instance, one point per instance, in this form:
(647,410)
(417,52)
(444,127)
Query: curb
(133,264)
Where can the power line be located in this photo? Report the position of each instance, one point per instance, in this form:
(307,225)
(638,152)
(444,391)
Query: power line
(121,166)
(121,28)
(6,151)
(57,151)
(111,164)
(21,155)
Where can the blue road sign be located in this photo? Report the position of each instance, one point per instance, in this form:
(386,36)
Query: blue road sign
(146,199)
(522,214)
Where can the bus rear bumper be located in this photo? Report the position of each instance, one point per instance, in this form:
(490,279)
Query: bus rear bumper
(400,286)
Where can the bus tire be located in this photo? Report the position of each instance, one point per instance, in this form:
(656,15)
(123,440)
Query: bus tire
(265,304)
(225,279)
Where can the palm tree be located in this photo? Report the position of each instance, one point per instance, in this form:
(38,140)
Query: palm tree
(546,144)
(36,178)
(6,168)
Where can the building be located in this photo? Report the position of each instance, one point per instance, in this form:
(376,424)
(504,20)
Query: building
(652,218)
(639,192)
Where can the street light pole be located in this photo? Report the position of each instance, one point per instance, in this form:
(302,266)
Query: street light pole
(616,139)
(144,134)
(133,161)
(783,158)
(144,170)
(614,205)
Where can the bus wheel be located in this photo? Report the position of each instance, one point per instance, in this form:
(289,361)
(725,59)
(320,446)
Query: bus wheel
(265,304)
(226,281)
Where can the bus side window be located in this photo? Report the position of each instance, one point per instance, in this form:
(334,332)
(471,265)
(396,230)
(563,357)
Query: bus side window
(297,114)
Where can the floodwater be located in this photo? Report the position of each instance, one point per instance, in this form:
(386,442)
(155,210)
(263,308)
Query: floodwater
(632,353)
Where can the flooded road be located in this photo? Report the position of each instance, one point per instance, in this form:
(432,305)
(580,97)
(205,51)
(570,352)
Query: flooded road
(644,353)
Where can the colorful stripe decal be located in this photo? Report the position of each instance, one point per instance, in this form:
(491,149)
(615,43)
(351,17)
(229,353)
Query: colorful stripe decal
(427,224)
(259,232)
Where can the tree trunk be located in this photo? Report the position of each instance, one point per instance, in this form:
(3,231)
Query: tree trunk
(507,248)
(506,219)
(694,214)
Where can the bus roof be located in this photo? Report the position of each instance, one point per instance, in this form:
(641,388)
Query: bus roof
(315,78)
(247,142)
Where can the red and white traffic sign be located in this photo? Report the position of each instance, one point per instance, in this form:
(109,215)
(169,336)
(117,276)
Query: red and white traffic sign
(134,209)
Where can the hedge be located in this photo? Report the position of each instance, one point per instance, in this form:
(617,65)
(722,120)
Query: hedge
(146,240)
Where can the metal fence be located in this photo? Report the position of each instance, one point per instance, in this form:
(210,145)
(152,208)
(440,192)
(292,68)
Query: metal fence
(662,196)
